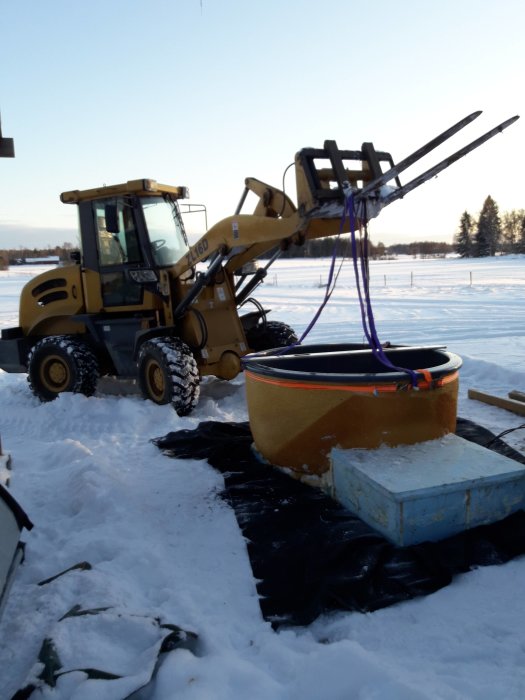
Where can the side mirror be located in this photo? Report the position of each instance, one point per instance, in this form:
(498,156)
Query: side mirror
(74,256)
(111,215)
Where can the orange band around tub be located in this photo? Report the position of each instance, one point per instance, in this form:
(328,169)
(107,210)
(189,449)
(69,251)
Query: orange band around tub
(355,388)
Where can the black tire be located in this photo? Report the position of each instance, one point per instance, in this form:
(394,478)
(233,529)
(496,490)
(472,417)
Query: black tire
(168,373)
(61,363)
(273,334)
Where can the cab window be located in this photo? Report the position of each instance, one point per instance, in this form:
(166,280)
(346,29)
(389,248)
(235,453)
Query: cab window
(165,230)
(116,247)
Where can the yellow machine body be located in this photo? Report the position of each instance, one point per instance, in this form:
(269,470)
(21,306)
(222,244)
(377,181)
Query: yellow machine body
(95,294)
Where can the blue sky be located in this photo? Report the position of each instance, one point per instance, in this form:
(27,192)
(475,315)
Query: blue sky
(207,93)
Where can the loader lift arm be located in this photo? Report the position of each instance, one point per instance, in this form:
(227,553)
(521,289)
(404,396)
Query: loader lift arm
(324,177)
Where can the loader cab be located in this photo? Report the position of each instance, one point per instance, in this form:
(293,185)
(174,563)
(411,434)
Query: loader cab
(139,230)
(128,233)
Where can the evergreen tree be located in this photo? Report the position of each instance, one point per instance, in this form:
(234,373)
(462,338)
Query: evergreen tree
(488,231)
(463,238)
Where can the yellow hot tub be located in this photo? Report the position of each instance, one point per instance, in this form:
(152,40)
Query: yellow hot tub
(304,403)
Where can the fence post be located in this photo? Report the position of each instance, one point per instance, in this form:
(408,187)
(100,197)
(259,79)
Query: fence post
(470,273)
(411,279)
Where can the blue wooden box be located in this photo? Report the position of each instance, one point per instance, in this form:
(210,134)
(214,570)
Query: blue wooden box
(427,491)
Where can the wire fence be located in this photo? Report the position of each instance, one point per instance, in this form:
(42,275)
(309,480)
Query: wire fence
(407,279)
(465,278)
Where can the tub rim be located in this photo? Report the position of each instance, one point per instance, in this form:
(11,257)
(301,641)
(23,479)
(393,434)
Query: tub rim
(261,366)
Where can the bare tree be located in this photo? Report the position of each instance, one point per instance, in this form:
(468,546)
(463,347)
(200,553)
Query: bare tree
(511,222)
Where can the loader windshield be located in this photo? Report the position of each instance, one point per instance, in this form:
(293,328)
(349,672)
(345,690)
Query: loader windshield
(165,229)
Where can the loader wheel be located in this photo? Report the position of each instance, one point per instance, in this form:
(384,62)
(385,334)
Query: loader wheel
(62,363)
(168,373)
(272,334)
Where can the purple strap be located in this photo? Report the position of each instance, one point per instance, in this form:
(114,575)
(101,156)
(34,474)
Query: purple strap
(367,314)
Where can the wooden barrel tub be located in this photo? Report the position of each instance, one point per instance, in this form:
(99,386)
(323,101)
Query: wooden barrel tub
(305,402)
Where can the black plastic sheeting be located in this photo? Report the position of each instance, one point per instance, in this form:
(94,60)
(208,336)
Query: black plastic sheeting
(311,556)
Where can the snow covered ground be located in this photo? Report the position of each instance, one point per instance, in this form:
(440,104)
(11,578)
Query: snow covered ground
(162,545)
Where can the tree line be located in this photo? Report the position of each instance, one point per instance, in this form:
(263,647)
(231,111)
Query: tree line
(490,233)
(324,248)
(13,256)
(318,248)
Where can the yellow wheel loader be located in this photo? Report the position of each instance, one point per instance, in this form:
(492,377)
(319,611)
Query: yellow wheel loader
(140,302)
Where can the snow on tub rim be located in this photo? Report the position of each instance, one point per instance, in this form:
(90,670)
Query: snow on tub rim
(303,403)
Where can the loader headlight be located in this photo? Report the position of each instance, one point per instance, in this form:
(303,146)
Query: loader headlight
(143,276)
